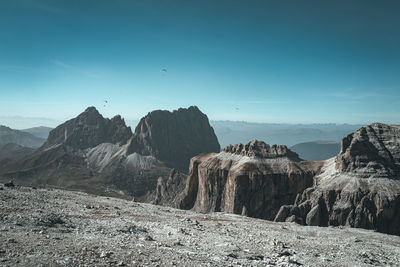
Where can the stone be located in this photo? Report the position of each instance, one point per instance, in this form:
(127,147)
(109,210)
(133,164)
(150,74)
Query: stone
(89,129)
(168,191)
(254,180)
(373,150)
(174,137)
(10,184)
(358,188)
(105,254)
(95,154)
(313,217)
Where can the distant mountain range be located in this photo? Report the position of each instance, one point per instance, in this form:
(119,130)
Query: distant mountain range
(299,137)
(317,150)
(234,132)
(41,131)
(21,138)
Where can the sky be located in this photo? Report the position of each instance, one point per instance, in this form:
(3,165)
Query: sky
(280,61)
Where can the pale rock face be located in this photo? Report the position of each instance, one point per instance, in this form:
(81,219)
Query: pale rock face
(100,156)
(109,155)
(137,161)
(260,149)
(360,187)
(372,151)
(253,179)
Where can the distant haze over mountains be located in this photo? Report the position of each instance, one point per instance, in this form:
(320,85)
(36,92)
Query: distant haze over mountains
(233,132)
(41,131)
(317,150)
(21,138)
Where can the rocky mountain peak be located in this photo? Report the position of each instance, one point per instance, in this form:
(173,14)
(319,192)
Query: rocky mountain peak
(3,127)
(91,109)
(89,129)
(372,150)
(260,149)
(174,137)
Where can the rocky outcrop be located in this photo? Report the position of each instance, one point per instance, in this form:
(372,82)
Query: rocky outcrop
(254,179)
(373,150)
(88,130)
(261,150)
(359,188)
(174,137)
(168,192)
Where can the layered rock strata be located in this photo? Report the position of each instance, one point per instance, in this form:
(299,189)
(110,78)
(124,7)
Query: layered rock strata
(254,180)
(359,188)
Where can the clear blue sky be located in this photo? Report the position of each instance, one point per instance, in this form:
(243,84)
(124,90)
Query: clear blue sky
(261,61)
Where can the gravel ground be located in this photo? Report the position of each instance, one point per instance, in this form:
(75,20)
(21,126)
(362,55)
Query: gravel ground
(45,227)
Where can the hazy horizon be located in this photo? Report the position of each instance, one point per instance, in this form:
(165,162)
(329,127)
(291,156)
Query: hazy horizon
(20,122)
(231,132)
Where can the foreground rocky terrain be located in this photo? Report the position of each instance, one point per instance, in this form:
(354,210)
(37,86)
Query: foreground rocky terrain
(44,227)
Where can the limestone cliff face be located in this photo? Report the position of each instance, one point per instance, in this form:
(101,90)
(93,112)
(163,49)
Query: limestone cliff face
(254,179)
(373,150)
(359,188)
(174,137)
